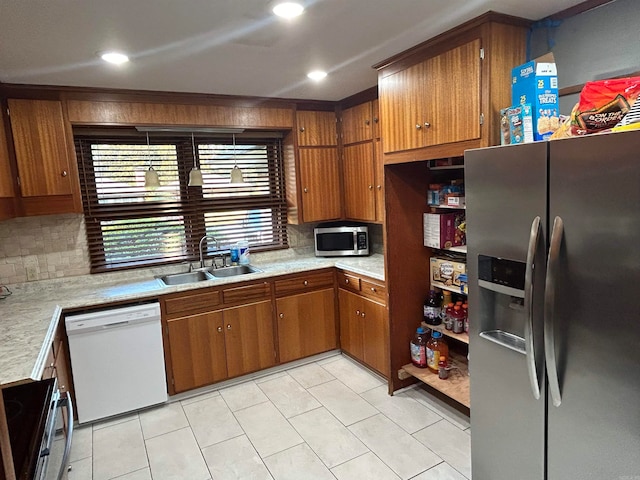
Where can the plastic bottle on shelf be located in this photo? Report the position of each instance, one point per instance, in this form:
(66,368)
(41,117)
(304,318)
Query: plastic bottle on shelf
(448,318)
(443,370)
(465,313)
(235,254)
(446,300)
(432,309)
(436,348)
(458,319)
(419,348)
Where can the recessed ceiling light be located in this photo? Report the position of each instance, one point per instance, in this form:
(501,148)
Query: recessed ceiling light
(288,9)
(317,75)
(116,58)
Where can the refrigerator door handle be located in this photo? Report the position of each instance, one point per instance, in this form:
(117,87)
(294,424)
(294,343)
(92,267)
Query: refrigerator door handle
(532,367)
(549,303)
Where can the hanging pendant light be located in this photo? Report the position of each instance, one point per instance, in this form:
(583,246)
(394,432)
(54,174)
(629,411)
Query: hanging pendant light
(151,179)
(236,172)
(195,175)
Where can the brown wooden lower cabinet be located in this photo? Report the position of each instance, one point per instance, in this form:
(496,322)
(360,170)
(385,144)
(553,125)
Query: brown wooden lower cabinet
(306,324)
(364,330)
(212,346)
(197,350)
(249,338)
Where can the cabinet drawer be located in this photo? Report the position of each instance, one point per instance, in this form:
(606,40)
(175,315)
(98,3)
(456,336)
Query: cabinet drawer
(304,282)
(374,290)
(348,281)
(196,302)
(248,292)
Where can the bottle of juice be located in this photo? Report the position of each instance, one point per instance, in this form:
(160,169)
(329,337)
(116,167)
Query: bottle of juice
(448,316)
(446,300)
(419,348)
(436,348)
(458,320)
(465,314)
(432,308)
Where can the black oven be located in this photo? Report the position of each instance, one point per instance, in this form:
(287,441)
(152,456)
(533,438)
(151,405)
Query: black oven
(40,421)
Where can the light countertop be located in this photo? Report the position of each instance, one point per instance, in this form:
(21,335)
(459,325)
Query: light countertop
(30,316)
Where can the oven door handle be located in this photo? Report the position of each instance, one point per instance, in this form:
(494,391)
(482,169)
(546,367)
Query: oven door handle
(68,402)
(55,401)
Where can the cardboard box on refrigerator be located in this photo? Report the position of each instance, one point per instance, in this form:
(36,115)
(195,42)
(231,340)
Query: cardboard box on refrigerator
(441,230)
(536,83)
(449,274)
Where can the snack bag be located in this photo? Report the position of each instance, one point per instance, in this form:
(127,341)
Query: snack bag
(603,104)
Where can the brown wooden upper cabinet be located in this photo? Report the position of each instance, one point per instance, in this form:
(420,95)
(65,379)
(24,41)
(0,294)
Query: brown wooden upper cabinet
(316,128)
(320,181)
(40,142)
(6,180)
(444,96)
(362,164)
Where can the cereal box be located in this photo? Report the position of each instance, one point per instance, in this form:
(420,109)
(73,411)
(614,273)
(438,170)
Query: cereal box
(536,83)
(516,124)
(441,230)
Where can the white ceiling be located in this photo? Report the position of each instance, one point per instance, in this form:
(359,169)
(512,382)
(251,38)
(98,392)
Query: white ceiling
(234,47)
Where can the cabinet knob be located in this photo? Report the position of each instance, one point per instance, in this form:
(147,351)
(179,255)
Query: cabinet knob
(418,126)
(64,173)
(281,315)
(427,124)
(358,312)
(219,329)
(346,280)
(229,326)
(362,314)
(301,129)
(305,283)
(379,187)
(375,119)
(305,190)
(373,289)
(367,122)
(370,187)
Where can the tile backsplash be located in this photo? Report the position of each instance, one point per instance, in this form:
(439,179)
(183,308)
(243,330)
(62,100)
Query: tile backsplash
(55,246)
(38,248)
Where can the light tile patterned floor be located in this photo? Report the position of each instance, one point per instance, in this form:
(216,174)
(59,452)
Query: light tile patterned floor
(330,419)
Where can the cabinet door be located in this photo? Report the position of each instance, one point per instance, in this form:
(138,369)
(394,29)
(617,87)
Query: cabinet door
(306,324)
(316,128)
(375,336)
(456,92)
(197,350)
(249,338)
(351,338)
(359,193)
(378,168)
(375,115)
(41,148)
(6,178)
(320,182)
(357,124)
(405,106)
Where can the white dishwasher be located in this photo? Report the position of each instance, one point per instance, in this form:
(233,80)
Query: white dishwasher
(117,360)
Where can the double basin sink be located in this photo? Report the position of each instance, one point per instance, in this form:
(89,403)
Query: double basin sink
(208,274)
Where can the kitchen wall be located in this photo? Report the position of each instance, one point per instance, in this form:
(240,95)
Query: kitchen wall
(598,44)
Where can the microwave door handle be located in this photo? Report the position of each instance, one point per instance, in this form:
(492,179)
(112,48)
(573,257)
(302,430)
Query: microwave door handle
(532,366)
(549,307)
(67,446)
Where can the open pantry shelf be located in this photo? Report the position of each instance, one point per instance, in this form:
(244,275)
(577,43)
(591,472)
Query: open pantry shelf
(455,387)
(451,289)
(461,337)
(449,207)
(460,249)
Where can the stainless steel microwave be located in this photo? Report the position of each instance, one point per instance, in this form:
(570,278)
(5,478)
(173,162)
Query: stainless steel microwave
(346,240)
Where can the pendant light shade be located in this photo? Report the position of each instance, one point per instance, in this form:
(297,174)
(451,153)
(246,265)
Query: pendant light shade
(236,172)
(195,175)
(151,179)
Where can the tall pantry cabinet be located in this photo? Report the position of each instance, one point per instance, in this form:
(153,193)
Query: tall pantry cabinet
(436,100)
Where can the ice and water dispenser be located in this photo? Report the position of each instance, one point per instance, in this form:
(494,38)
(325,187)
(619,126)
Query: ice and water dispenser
(503,318)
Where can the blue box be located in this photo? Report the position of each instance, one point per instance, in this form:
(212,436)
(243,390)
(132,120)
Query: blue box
(516,124)
(536,83)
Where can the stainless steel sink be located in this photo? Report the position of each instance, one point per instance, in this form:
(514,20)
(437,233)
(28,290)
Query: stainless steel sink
(188,277)
(233,271)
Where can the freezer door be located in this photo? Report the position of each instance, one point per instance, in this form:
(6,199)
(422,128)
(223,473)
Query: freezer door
(594,325)
(506,190)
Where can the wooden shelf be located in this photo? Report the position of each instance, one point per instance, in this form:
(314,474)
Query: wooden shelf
(455,387)
(460,249)
(461,337)
(449,207)
(451,289)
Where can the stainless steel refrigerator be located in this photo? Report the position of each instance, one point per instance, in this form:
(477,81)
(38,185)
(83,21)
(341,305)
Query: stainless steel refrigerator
(553,233)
